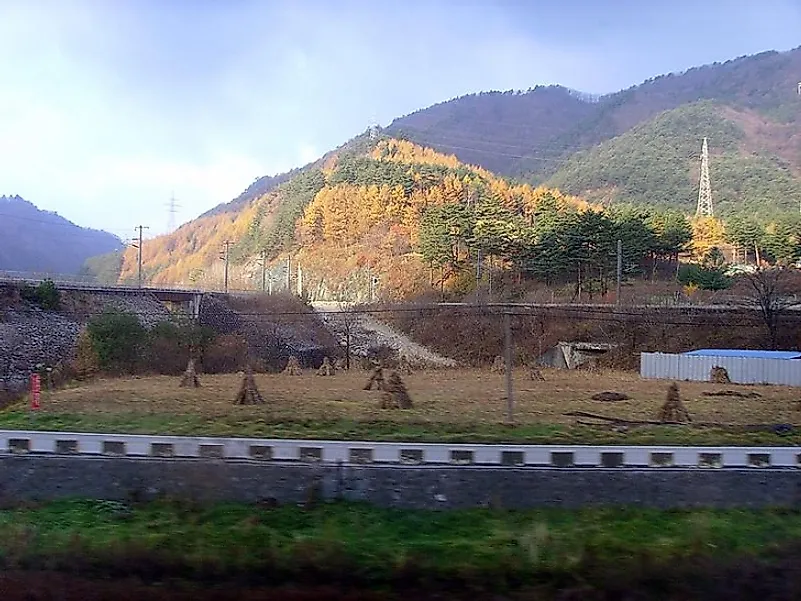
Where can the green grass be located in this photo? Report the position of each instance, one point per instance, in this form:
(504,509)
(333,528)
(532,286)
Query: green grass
(347,429)
(375,543)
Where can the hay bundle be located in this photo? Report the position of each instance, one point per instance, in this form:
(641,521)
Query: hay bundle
(395,394)
(293,367)
(325,368)
(376,379)
(719,375)
(340,364)
(190,379)
(674,410)
(534,373)
(405,366)
(248,392)
(498,366)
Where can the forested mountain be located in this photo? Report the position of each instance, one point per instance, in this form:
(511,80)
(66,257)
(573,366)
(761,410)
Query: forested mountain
(419,205)
(548,132)
(41,241)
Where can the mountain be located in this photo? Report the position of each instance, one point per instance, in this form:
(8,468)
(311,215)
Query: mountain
(551,134)
(357,212)
(41,241)
(371,206)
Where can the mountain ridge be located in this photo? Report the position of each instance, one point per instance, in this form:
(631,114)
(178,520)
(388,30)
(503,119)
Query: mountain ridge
(638,147)
(32,239)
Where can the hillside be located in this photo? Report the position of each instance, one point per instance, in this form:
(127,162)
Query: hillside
(544,132)
(420,206)
(360,212)
(41,241)
(656,163)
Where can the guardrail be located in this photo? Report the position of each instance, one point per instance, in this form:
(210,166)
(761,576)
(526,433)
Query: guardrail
(391,453)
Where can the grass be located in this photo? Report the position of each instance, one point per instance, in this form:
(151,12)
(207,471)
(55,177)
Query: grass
(449,406)
(374,545)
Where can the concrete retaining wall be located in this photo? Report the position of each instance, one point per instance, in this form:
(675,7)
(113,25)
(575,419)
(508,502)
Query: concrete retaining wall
(44,477)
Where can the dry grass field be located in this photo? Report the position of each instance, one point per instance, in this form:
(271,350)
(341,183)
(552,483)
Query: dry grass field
(458,404)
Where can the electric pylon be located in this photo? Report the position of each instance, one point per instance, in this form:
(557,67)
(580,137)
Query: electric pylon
(704,208)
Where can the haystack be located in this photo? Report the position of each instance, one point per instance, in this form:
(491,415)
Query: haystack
(674,410)
(293,367)
(719,375)
(534,373)
(190,379)
(498,365)
(377,379)
(340,363)
(248,392)
(395,394)
(405,366)
(325,368)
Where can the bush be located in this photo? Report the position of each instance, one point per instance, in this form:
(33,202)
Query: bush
(85,363)
(227,353)
(170,343)
(706,278)
(118,339)
(46,295)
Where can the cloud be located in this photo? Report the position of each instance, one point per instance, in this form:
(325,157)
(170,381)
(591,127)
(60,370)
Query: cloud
(109,107)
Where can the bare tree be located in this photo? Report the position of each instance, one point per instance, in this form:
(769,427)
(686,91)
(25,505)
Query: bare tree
(769,292)
(349,319)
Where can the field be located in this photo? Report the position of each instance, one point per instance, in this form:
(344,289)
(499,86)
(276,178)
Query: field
(449,405)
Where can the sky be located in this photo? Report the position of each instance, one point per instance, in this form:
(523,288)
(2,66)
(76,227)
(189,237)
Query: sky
(108,108)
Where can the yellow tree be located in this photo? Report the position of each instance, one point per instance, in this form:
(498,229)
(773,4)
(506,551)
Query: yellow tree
(708,233)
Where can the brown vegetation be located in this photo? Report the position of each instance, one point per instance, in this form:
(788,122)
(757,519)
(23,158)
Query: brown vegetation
(248,391)
(190,379)
(459,396)
(674,411)
(474,336)
(395,394)
(719,375)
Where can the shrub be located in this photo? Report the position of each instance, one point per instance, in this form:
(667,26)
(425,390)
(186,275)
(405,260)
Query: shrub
(706,278)
(118,340)
(170,343)
(46,295)
(85,364)
(225,354)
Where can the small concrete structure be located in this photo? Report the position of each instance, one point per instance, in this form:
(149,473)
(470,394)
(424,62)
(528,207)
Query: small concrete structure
(570,355)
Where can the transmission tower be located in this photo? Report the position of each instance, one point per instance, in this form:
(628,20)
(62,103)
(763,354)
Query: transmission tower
(704,208)
(373,129)
(172,209)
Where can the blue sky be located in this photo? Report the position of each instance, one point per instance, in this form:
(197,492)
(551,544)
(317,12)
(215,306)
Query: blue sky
(109,106)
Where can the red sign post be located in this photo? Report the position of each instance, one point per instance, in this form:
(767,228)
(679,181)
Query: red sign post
(36,389)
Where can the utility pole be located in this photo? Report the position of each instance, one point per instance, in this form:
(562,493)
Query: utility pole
(300,282)
(225,254)
(139,250)
(289,275)
(619,269)
(507,335)
(263,270)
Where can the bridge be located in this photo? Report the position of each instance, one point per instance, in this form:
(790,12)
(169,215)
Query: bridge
(188,298)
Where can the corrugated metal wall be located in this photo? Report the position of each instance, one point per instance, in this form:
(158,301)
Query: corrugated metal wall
(742,370)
